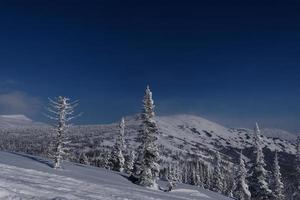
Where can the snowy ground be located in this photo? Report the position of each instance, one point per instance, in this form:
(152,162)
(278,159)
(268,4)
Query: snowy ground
(27,177)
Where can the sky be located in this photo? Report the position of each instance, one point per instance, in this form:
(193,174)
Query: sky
(233,62)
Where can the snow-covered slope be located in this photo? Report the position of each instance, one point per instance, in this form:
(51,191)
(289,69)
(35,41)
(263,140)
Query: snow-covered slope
(25,177)
(193,132)
(278,133)
(190,133)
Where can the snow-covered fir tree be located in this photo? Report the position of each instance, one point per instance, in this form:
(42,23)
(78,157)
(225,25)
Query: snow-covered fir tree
(137,165)
(106,162)
(241,190)
(229,174)
(217,176)
(83,159)
(94,160)
(178,172)
(171,177)
(207,177)
(117,154)
(129,162)
(258,184)
(62,112)
(150,155)
(200,174)
(138,159)
(296,194)
(277,183)
(193,173)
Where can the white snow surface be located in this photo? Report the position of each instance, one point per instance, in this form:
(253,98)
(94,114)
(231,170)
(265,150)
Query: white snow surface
(192,131)
(278,133)
(25,177)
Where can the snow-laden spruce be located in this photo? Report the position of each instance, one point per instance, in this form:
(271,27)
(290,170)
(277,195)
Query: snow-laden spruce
(62,112)
(129,162)
(217,179)
(229,180)
(258,184)
(83,159)
(118,149)
(149,155)
(171,177)
(296,194)
(277,182)
(241,189)
(137,164)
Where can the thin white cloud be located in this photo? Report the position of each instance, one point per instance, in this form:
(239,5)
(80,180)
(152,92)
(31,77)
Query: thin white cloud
(18,102)
(8,82)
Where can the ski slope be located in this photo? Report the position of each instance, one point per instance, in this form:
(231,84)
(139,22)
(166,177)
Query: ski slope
(25,177)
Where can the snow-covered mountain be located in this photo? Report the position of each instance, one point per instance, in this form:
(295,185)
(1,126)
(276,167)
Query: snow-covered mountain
(200,132)
(174,125)
(278,133)
(17,121)
(29,177)
(183,133)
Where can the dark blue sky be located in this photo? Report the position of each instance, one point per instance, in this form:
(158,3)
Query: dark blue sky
(235,62)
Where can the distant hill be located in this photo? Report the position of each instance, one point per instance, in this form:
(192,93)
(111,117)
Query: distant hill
(17,121)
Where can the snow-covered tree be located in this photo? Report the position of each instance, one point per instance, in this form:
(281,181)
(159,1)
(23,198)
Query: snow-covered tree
(258,184)
(150,155)
(171,177)
(192,173)
(62,112)
(106,160)
(139,156)
(277,183)
(199,176)
(117,154)
(296,194)
(178,172)
(241,190)
(83,159)
(230,182)
(129,162)
(207,177)
(137,165)
(185,172)
(217,176)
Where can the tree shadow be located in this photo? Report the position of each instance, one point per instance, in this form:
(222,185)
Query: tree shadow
(131,178)
(40,160)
